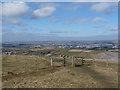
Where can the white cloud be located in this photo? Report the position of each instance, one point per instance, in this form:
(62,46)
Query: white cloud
(12,21)
(102,7)
(94,20)
(113,29)
(14,8)
(43,12)
(99,19)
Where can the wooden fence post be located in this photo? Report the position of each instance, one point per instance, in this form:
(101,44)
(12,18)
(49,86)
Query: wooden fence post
(72,61)
(94,63)
(64,61)
(82,61)
(107,63)
(51,61)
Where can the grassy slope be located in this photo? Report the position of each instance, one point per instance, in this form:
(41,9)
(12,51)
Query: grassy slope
(32,71)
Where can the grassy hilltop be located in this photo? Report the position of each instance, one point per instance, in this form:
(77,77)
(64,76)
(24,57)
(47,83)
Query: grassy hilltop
(32,71)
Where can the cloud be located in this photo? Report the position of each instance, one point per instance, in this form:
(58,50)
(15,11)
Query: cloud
(43,12)
(14,8)
(50,4)
(102,7)
(4,30)
(54,20)
(84,20)
(113,29)
(24,36)
(67,23)
(72,6)
(12,21)
(99,26)
(0,9)
(99,19)
(57,32)
(94,20)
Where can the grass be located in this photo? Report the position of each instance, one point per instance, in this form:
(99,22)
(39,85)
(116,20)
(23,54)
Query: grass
(66,52)
(23,63)
(28,69)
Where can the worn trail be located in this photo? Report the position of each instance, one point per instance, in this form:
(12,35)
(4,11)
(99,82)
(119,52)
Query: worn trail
(103,80)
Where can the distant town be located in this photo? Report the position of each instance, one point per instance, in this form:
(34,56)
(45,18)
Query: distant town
(9,48)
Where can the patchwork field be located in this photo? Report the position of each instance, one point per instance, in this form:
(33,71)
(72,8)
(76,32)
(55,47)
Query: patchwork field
(79,50)
(30,71)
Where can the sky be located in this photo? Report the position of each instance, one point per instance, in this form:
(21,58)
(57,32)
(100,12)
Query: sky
(38,21)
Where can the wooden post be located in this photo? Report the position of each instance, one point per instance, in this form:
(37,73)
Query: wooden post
(16,57)
(51,61)
(107,63)
(64,61)
(72,61)
(25,66)
(94,63)
(82,61)
(36,65)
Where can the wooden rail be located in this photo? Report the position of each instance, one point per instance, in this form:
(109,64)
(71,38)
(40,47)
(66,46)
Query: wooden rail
(72,60)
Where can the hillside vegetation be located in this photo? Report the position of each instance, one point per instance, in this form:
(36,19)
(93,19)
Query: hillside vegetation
(30,71)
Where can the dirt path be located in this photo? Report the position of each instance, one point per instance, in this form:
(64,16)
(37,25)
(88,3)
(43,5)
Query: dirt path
(99,77)
(78,77)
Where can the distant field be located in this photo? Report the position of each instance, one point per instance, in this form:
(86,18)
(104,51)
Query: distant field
(79,50)
(39,49)
(30,71)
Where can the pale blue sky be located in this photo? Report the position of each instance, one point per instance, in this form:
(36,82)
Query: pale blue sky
(59,20)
